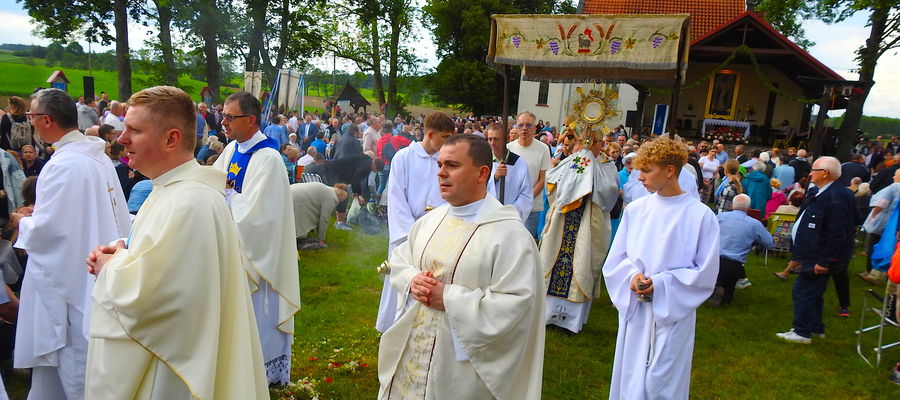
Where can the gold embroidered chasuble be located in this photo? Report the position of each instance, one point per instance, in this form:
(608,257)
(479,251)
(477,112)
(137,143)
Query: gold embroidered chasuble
(494,306)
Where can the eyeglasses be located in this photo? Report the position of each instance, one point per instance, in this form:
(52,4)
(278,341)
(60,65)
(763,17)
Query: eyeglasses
(525,125)
(31,116)
(230,118)
(817,169)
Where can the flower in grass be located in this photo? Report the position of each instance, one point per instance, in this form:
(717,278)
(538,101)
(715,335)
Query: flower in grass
(364,365)
(328,380)
(313,358)
(338,350)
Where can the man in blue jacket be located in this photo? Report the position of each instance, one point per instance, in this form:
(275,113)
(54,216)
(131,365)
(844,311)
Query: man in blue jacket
(822,246)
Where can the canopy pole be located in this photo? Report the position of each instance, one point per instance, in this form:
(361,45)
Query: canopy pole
(502,191)
(676,92)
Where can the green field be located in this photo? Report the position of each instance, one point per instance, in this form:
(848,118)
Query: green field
(21,79)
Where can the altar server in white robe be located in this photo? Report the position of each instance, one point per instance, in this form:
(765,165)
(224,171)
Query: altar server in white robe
(260,200)
(471,325)
(662,265)
(172,316)
(412,192)
(79,204)
(509,173)
(582,190)
(634,189)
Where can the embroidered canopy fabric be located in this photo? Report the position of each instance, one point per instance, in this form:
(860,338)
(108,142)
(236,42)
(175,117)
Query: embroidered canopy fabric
(639,49)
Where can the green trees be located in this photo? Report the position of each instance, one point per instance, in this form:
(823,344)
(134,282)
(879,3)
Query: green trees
(462,29)
(884,35)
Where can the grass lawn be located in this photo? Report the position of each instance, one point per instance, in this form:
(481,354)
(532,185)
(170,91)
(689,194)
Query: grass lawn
(21,79)
(736,356)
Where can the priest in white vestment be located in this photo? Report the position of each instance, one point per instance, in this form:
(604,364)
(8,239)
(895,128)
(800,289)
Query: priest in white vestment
(662,265)
(172,316)
(582,190)
(412,191)
(509,174)
(79,204)
(260,200)
(471,323)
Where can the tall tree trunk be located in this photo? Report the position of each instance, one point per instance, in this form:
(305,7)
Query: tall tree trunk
(376,63)
(123,58)
(209,19)
(397,19)
(284,34)
(164,9)
(258,16)
(868,60)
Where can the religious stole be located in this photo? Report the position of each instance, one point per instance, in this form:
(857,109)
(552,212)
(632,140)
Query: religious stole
(563,269)
(441,256)
(237,167)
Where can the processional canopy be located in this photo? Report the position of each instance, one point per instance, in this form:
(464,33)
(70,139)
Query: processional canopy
(633,49)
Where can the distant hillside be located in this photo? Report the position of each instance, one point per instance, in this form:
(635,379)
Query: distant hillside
(872,126)
(15,47)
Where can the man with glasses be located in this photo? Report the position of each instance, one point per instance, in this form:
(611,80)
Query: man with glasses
(822,246)
(260,200)
(79,204)
(537,156)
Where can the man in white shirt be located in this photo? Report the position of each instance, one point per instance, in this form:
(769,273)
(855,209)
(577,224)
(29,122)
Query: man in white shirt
(371,135)
(79,204)
(537,156)
(115,111)
(509,174)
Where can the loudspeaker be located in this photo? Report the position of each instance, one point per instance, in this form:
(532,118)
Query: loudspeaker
(89,87)
(631,118)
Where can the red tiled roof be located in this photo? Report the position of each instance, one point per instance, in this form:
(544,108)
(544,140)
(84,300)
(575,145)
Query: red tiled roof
(706,15)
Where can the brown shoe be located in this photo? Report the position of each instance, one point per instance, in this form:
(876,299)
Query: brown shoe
(868,278)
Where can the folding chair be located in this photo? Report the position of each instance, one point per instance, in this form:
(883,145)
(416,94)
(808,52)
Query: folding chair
(885,320)
(779,225)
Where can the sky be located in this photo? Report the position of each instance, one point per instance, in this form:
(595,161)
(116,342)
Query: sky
(835,47)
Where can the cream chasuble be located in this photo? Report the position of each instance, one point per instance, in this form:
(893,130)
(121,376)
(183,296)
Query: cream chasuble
(675,242)
(582,190)
(79,204)
(172,317)
(489,342)
(264,214)
(412,191)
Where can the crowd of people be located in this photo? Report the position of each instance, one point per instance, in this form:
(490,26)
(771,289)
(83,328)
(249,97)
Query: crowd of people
(495,234)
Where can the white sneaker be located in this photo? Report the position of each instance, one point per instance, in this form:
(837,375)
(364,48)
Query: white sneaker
(742,284)
(792,336)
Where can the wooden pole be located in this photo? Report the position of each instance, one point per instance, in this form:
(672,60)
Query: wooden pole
(502,191)
(818,136)
(676,89)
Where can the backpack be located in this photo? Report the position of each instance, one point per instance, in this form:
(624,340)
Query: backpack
(388,151)
(19,134)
